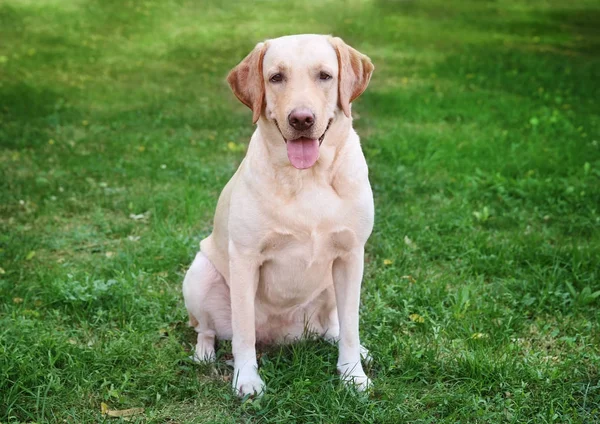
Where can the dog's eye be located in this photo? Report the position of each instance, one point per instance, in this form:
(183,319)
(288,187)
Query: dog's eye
(276,78)
(324,76)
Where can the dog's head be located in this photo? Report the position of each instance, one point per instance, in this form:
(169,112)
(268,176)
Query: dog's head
(300,85)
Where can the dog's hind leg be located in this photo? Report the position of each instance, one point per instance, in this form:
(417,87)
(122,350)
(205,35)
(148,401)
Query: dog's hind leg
(205,294)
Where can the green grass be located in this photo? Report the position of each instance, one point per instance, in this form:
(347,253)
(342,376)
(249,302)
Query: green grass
(482,131)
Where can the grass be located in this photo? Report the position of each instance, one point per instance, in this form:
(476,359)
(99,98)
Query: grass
(481,126)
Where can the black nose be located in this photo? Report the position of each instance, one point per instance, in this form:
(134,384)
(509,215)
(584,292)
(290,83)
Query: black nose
(301,119)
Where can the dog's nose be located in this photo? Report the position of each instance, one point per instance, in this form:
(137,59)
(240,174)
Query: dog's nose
(301,119)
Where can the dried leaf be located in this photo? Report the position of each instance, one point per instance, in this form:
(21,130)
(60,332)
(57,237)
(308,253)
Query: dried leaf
(124,412)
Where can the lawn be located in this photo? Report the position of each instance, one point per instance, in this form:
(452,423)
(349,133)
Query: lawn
(481,127)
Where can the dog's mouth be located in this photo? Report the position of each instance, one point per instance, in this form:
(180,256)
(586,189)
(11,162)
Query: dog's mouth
(303,152)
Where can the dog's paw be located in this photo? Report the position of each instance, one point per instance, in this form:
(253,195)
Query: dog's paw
(353,375)
(204,353)
(361,383)
(246,381)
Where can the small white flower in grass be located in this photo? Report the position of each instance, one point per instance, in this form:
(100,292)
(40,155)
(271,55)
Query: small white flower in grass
(163,166)
(410,243)
(140,216)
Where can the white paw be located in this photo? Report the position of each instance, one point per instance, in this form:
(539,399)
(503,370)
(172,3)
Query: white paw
(246,381)
(354,376)
(204,353)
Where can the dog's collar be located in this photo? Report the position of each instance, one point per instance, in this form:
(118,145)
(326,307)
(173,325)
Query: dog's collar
(320,138)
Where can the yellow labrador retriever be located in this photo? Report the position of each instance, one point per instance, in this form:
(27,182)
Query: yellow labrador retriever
(287,249)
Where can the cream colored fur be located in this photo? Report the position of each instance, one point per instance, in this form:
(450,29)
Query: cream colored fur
(286,253)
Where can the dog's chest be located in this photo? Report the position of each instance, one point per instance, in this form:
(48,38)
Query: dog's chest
(298,253)
(316,225)
(298,266)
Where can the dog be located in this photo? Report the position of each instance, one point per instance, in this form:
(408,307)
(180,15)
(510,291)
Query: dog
(286,254)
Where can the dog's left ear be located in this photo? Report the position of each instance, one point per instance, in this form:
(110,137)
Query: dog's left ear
(246,80)
(355,70)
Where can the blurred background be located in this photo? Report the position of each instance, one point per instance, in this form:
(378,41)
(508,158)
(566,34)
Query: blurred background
(481,129)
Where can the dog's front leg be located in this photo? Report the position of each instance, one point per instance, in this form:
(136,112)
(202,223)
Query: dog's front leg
(347,279)
(243,271)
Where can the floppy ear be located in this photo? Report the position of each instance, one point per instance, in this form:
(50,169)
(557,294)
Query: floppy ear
(355,71)
(246,80)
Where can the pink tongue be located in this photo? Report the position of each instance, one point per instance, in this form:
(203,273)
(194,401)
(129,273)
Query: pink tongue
(303,152)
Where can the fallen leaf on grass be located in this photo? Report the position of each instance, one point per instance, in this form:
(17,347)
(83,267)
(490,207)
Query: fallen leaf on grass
(387,262)
(119,412)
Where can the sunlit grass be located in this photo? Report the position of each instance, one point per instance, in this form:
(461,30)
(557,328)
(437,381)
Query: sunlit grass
(480,300)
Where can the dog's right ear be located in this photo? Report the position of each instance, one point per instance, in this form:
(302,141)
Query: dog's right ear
(246,81)
(354,74)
